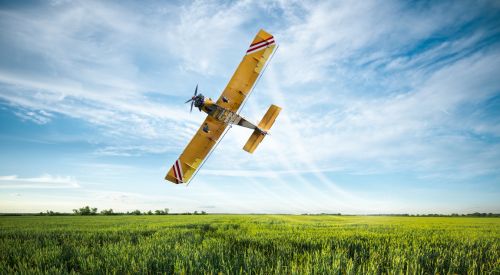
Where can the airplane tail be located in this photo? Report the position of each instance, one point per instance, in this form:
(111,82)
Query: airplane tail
(265,124)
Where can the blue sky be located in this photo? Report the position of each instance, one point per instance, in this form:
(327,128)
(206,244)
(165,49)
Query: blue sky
(388,106)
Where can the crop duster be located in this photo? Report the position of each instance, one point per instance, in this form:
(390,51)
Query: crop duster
(225,112)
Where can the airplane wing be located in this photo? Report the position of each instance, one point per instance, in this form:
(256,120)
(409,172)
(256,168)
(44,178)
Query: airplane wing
(247,72)
(196,151)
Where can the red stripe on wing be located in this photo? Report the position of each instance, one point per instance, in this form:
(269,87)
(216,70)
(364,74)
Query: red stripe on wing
(175,174)
(260,46)
(261,41)
(179,171)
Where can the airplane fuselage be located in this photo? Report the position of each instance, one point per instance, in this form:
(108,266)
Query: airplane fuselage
(224,115)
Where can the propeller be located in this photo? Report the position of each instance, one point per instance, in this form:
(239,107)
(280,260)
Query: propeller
(193,98)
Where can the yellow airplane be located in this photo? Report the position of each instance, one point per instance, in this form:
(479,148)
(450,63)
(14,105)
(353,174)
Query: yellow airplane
(225,112)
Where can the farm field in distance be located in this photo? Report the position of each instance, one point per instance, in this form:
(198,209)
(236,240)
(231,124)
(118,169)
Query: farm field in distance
(263,244)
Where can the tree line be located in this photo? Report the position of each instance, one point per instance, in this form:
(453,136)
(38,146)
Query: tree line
(87,211)
(92,211)
(475,214)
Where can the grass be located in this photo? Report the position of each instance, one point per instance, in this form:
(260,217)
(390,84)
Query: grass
(263,244)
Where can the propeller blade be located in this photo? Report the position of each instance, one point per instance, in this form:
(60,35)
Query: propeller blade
(192,103)
(188,101)
(196,90)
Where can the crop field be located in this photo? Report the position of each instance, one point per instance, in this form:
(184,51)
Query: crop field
(262,244)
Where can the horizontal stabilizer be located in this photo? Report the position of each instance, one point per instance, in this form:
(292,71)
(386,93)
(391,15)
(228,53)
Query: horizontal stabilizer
(254,141)
(269,118)
(265,124)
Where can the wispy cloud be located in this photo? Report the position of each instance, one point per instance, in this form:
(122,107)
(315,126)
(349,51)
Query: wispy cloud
(367,88)
(39,117)
(41,182)
(387,129)
(96,80)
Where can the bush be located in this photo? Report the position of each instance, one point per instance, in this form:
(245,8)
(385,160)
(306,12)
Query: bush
(85,211)
(162,212)
(136,212)
(108,212)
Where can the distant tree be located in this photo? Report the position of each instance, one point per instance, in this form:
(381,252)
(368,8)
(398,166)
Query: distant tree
(149,212)
(82,211)
(162,212)
(196,212)
(85,211)
(203,212)
(51,213)
(136,212)
(107,212)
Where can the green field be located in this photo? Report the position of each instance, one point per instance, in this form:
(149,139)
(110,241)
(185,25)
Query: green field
(263,244)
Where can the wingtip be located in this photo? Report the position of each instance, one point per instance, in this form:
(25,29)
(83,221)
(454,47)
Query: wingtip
(264,34)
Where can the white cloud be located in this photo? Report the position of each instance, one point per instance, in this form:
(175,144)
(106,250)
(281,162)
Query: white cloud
(204,33)
(397,131)
(39,117)
(261,173)
(41,182)
(363,130)
(82,67)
